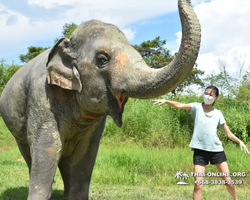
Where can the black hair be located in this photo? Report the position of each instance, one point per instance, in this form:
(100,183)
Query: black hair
(214,89)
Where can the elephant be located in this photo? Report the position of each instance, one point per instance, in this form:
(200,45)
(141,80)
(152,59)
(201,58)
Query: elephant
(56,105)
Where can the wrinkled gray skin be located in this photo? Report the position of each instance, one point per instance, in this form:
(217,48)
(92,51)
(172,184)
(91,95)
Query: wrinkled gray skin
(56,105)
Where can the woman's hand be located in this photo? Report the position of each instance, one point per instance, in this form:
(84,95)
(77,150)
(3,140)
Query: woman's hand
(243,147)
(159,101)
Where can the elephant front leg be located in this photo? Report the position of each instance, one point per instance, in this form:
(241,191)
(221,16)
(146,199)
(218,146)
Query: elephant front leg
(81,171)
(81,176)
(45,152)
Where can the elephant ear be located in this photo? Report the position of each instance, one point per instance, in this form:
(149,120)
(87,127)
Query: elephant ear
(61,67)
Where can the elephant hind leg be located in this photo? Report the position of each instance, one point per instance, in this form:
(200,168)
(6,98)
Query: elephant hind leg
(64,166)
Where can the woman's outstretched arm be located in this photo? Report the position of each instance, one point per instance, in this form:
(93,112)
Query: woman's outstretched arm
(173,104)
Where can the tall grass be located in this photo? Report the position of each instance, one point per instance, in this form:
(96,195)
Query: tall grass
(163,126)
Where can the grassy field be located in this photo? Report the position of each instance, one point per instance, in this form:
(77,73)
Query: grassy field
(140,160)
(128,171)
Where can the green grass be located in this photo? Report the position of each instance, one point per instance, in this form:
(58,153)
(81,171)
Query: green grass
(7,141)
(128,171)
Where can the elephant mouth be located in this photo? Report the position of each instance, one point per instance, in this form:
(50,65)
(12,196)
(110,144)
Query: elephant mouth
(120,99)
(116,108)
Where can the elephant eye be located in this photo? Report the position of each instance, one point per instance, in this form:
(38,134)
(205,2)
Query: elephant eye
(102,60)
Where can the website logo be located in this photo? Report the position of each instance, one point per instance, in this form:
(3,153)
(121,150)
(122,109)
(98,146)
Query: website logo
(181,176)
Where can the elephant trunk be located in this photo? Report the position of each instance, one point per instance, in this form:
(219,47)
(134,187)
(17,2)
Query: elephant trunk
(146,82)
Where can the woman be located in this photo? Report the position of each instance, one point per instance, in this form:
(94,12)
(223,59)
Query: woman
(205,143)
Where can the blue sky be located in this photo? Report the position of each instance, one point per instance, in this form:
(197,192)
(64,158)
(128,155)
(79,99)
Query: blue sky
(225,26)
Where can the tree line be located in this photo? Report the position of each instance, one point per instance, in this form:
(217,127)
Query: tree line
(156,55)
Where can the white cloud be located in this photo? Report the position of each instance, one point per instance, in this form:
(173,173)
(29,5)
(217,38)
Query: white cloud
(224,25)
(129,33)
(49,4)
(208,63)
(225,35)
(22,31)
(119,13)
(178,41)
(236,61)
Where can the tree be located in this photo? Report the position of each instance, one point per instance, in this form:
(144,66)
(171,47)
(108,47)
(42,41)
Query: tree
(228,85)
(223,81)
(156,55)
(6,72)
(192,79)
(241,64)
(2,63)
(243,94)
(68,30)
(32,53)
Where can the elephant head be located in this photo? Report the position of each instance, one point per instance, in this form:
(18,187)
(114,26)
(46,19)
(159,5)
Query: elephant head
(104,69)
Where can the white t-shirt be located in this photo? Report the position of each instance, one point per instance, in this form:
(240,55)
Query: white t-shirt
(205,129)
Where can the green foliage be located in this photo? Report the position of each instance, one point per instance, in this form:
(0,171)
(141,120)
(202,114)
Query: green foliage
(68,30)
(32,53)
(6,72)
(150,125)
(154,53)
(243,94)
(192,79)
(237,117)
(2,70)
(163,126)
(225,83)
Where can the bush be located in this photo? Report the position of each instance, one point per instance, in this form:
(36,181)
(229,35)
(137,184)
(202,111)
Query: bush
(163,126)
